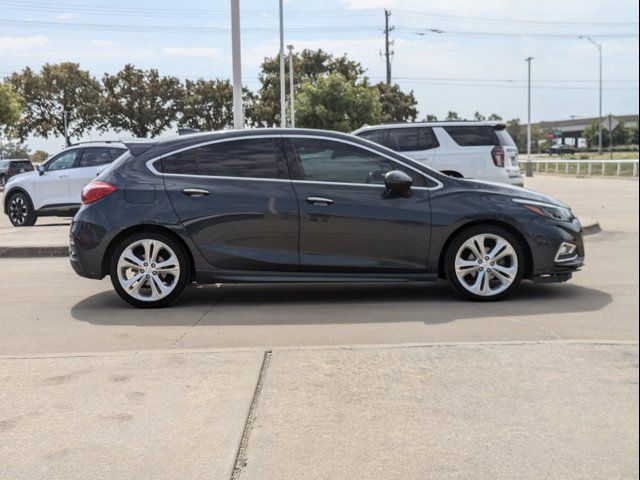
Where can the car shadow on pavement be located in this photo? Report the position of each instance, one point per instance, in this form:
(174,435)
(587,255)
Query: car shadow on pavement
(286,304)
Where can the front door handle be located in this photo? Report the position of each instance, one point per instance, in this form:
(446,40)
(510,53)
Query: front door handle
(319,201)
(196,192)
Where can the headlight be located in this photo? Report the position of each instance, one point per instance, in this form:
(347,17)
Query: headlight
(546,210)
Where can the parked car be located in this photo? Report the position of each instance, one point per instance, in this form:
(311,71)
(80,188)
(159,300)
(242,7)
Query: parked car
(54,189)
(295,205)
(12,166)
(562,149)
(477,150)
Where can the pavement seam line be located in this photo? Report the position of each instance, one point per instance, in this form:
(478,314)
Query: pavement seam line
(241,456)
(187,331)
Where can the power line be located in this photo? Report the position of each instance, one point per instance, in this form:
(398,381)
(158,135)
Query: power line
(431,32)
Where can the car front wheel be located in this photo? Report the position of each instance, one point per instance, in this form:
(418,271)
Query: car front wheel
(20,210)
(149,270)
(484,263)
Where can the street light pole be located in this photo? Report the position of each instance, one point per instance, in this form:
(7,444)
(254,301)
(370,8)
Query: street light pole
(599,47)
(238,113)
(529,168)
(292,120)
(283,105)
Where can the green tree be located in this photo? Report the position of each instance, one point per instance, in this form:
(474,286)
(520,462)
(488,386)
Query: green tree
(621,135)
(518,133)
(38,156)
(478,117)
(308,67)
(140,101)
(397,106)
(452,116)
(494,117)
(47,95)
(336,103)
(430,118)
(633,134)
(10,107)
(208,104)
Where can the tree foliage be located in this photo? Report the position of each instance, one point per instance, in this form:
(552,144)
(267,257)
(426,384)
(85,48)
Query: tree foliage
(207,104)
(10,107)
(48,94)
(140,101)
(38,156)
(337,103)
(13,149)
(396,105)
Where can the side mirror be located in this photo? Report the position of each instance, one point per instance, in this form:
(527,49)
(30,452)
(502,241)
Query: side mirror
(40,169)
(398,182)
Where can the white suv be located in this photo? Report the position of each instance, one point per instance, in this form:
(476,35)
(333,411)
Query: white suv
(54,188)
(479,150)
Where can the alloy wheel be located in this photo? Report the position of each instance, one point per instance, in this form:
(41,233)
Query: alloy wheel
(148,270)
(486,265)
(18,210)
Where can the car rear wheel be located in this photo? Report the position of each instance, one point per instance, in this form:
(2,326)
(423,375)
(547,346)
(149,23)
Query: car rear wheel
(149,270)
(20,210)
(484,263)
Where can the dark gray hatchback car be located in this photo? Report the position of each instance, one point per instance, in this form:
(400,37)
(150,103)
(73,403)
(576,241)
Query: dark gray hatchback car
(309,206)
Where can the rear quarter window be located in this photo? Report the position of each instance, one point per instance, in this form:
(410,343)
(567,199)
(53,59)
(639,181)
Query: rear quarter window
(473,136)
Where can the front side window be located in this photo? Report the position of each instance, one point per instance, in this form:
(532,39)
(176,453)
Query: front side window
(93,157)
(252,158)
(473,136)
(336,162)
(64,161)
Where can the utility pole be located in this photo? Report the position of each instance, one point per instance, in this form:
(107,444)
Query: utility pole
(610,137)
(292,120)
(388,53)
(238,113)
(283,100)
(529,168)
(599,47)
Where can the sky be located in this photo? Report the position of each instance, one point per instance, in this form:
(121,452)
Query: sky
(458,55)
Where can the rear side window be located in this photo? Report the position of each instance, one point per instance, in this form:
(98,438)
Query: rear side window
(412,139)
(26,165)
(93,157)
(473,136)
(504,138)
(254,158)
(116,152)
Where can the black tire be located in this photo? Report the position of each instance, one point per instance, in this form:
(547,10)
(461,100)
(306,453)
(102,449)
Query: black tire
(181,281)
(20,210)
(457,243)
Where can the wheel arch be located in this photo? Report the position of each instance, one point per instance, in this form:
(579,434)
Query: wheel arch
(10,193)
(146,228)
(528,268)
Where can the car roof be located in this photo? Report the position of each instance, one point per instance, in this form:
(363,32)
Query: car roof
(444,123)
(97,143)
(139,146)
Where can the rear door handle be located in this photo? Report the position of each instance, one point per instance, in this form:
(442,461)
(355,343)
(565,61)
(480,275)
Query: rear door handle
(196,192)
(319,201)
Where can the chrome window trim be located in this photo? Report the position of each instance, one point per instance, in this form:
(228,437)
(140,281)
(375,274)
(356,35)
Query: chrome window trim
(152,169)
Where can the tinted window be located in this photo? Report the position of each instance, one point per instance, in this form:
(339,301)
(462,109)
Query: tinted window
(473,136)
(328,161)
(412,139)
(116,152)
(254,158)
(25,164)
(63,161)
(373,135)
(93,157)
(504,138)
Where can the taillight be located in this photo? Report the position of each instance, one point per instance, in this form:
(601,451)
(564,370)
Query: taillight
(497,154)
(95,190)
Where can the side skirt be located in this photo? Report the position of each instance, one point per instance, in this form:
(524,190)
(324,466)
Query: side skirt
(205,277)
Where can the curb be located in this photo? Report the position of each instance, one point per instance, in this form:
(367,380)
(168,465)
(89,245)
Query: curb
(32,252)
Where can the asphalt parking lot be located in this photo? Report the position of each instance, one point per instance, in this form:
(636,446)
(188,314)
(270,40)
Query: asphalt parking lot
(367,381)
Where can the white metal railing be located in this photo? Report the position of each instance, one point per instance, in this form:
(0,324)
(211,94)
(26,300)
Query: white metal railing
(582,167)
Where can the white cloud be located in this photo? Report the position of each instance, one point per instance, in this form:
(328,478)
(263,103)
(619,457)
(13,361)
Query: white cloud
(21,44)
(65,16)
(193,52)
(102,43)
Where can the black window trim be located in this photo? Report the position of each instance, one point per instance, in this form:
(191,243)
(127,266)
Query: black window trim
(84,149)
(75,160)
(150,164)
